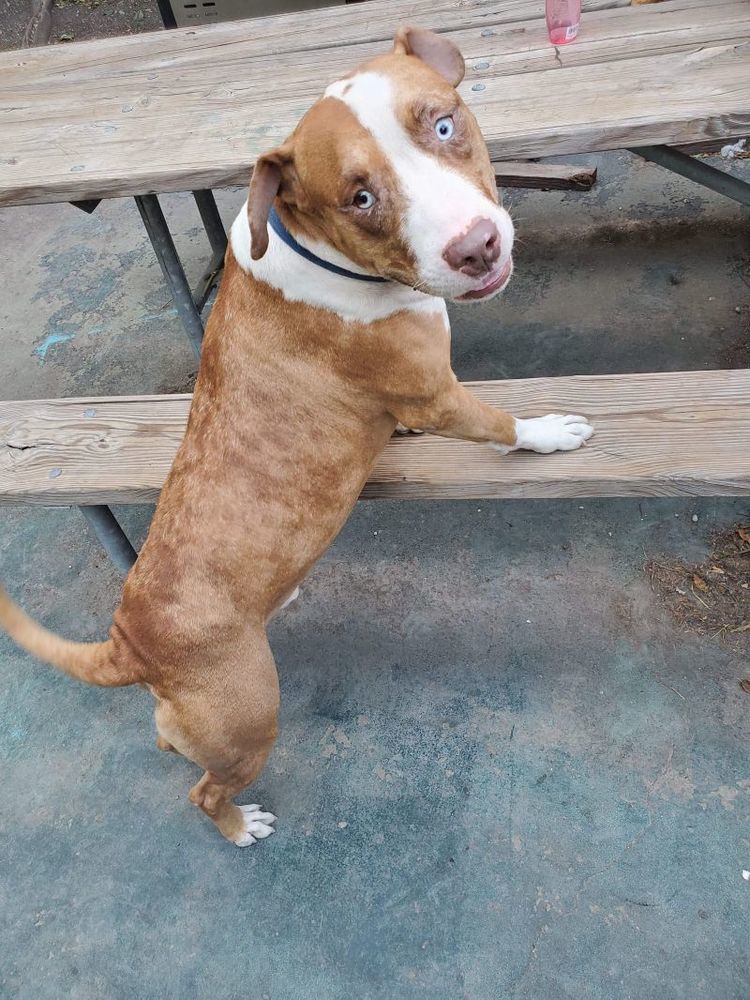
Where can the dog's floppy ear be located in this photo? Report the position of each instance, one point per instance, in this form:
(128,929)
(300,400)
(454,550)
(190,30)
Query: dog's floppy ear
(265,184)
(435,50)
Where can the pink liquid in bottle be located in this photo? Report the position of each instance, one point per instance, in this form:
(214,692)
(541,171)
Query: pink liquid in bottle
(563,19)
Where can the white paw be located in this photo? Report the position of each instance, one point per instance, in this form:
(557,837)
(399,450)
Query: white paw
(552,433)
(402,429)
(257,825)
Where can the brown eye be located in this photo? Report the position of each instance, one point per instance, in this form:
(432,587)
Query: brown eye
(364,200)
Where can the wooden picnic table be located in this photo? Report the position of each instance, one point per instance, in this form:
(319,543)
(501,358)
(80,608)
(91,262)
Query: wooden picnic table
(193,107)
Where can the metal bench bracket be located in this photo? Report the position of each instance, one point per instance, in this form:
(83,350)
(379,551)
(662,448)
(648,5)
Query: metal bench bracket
(696,170)
(107,529)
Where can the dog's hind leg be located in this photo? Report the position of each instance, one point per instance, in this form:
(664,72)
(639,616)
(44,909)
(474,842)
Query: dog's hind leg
(163,719)
(228,724)
(243,825)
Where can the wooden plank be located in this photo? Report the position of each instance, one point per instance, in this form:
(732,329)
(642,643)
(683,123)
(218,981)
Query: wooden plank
(682,97)
(512,34)
(666,434)
(63,451)
(608,36)
(172,115)
(545,176)
(711,145)
(299,31)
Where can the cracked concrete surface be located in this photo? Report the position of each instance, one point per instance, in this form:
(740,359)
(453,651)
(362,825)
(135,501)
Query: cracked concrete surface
(502,771)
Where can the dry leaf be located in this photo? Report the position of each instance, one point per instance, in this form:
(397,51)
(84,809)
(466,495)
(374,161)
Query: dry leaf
(699,582)
(740,628)
(719,570)
(745,685)
(744,534)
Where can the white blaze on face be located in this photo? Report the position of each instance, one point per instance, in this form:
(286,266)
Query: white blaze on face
(441,204)
(300,280)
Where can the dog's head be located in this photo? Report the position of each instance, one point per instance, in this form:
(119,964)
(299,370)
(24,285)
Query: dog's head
(390,169)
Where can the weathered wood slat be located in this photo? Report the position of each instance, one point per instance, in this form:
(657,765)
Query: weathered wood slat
(232,53)
(710,145)
(680,97)
(545,176)
(195,107)
(300,31)
(211,145)
(665,434)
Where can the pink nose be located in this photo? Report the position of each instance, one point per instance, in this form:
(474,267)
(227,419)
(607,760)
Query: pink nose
(476,251)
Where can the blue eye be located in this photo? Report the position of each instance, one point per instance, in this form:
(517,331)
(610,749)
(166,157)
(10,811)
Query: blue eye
(364,200)
(444,128)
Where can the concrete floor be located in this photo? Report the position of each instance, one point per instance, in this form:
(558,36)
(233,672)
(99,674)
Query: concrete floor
(502,771)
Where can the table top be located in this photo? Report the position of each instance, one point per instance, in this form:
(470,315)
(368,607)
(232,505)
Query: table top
(193,107)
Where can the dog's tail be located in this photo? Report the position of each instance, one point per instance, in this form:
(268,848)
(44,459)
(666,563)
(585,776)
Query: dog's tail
(93,662)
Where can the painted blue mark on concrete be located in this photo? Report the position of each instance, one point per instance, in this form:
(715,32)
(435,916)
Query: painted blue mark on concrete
(87,300)
(49,341)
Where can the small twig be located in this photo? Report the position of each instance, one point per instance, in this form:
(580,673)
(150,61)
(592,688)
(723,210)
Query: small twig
(670,688)
(707,606)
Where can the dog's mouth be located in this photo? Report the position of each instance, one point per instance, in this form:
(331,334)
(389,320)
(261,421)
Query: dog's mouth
(494,282)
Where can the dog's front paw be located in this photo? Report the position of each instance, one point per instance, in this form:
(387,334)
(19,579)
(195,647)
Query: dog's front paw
(257,825)
(552,433)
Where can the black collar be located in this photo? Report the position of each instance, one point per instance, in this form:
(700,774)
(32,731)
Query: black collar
(283,233)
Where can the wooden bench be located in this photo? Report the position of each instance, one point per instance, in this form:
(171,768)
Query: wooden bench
(670,434)
(544,176)
(190,109)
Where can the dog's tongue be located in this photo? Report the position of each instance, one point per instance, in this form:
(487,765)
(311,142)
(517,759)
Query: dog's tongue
(491,286)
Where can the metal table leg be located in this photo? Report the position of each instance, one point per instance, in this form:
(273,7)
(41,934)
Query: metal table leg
(107,529)
(171,266)
(217,237)
(212,223)
(100,517)
(697,170)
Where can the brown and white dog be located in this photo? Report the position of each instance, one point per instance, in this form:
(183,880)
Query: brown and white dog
(308,365)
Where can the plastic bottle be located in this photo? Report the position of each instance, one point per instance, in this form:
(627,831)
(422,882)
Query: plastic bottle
(563,19)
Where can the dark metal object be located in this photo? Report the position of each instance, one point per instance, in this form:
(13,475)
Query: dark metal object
(217,237)
(174,275)
(107,529)
(87,205)
(697,170)
(167,14)
(191,13)
(208,281)
(212,223)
